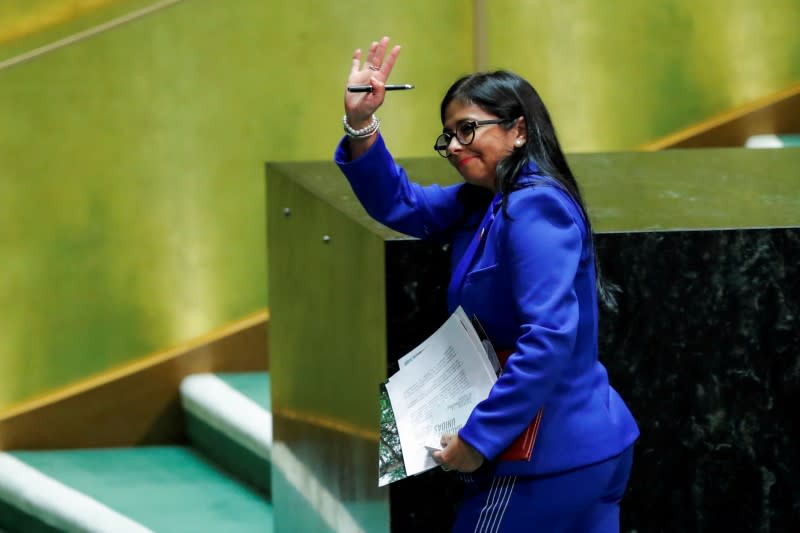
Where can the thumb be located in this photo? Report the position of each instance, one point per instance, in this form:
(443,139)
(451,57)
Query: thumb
(377,86)
(446,440)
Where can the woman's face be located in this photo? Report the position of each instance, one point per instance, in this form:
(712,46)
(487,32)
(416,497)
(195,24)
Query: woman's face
(477,161)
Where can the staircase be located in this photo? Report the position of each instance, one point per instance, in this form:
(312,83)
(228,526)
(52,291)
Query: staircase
(220,481)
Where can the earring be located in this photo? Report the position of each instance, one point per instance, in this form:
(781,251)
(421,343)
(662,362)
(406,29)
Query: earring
(519,142)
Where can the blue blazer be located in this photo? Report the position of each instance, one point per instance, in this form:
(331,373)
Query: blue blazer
(532,286)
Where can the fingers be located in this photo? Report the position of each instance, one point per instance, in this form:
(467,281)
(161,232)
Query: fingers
(356,65)
(375,57)
(371,56)
(446,440)
(439,460)
(457,455)
(375,70)
(380,51)
(389,63)
(377,87)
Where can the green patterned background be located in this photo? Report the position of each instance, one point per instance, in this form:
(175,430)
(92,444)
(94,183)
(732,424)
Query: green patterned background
(131,163)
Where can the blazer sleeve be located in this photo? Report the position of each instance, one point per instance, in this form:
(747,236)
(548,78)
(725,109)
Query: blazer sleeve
(541,245)
(383,188)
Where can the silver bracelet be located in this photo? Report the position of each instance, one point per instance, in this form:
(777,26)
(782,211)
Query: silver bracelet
(362,133)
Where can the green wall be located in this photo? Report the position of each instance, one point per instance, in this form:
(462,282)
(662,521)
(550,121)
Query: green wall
(619,73)
(131,166)
(131,163)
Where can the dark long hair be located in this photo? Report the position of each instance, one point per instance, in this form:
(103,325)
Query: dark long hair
(509,96)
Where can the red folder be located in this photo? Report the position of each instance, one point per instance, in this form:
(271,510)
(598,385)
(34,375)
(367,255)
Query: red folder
(522,448)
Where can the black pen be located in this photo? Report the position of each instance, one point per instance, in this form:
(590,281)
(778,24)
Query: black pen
(368,88)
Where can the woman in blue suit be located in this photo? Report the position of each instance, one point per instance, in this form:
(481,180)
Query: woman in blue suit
(523,262)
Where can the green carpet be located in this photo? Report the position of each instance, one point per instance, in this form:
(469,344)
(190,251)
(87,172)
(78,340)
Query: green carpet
(168,489)
(235,459)
(254,385)
(228,420)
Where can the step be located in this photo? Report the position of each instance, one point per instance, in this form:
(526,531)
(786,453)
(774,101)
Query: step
(228,419)
(119,490)
(784,140)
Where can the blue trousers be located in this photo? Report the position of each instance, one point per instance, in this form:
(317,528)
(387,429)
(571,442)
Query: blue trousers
(585,500)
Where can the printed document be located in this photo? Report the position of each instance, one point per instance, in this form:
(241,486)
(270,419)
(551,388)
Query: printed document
(438,385)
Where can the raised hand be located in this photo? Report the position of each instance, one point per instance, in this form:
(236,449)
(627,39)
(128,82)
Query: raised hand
(359,107)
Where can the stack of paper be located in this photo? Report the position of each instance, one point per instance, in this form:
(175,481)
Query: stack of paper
(438,385)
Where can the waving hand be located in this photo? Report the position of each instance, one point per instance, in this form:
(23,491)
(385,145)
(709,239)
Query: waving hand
(359,107)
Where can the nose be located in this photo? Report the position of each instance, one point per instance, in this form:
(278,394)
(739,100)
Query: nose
(458,146)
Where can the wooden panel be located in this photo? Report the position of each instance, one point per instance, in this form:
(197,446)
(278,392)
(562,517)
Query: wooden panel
(139,403)
(778,113)
(327,296)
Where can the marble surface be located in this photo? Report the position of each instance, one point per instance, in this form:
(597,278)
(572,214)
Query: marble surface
(704,345)
(705,348)
(417,274)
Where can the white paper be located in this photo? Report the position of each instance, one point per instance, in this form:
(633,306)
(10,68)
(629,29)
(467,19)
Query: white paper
(438,385)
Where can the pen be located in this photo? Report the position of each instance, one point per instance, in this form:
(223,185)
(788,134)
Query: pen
(368,88)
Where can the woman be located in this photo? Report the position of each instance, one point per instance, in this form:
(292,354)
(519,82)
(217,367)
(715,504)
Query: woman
(523,263)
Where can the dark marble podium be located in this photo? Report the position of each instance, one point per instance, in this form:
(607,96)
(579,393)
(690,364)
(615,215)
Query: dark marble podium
(703,343)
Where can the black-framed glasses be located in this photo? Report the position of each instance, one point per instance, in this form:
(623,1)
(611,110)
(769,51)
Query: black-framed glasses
(464,134)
